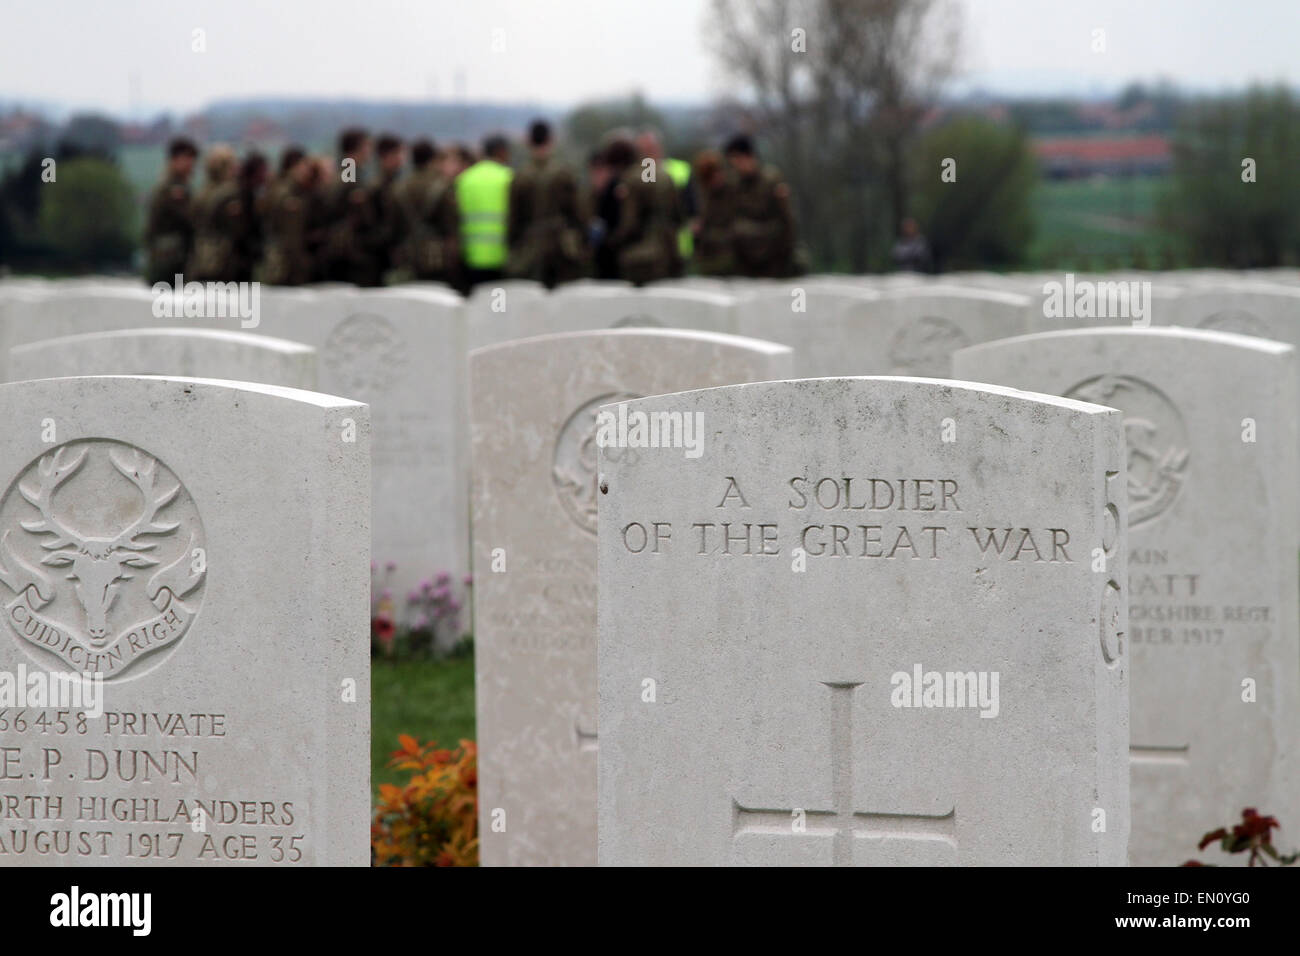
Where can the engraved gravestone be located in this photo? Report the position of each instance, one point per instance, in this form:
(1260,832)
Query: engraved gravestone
(192,353)
(583,309)
(1266,309)
(922,326)
(821,322)
(1210,424)
(505,311)
(534,407)
(184,574)
(401,352)
(865,628)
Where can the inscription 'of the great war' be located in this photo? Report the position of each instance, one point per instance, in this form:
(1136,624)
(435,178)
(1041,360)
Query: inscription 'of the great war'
(942,536)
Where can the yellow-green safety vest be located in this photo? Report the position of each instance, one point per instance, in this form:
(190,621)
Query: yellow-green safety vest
(680,172)
(483,194)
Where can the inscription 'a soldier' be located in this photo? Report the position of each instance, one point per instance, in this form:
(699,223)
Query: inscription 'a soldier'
(103,555)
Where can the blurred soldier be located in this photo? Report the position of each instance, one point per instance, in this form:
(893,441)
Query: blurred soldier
(390,224)
(649,145)
(287,222)
(456,159)
(764,222)
(911,252)
(546,229)
(220,220)
(713,236)
(169,232)
(253,174)
(649,215)
(350,252)
(432,223)
(615,159)
(483,195)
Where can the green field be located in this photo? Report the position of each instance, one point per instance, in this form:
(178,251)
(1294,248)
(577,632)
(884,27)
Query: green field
(1097,224)
(430,700)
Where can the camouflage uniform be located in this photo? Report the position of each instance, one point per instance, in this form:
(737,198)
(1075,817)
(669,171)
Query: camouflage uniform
(714,243)
(219,223)
(546,230)
(645,241)
(431,247)
(287,224)
(763,226)
(389,233)
(169,231)
(350,252)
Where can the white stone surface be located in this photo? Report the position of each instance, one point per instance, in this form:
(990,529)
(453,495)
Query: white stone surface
(188,352)
(505,311)
(586,309)
(1212,562)
(401,352)
(1269,310)
(533,417)
(202,547)
(752,696)
(822,324)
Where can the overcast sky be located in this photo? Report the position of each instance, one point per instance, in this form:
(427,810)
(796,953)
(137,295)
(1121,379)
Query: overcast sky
(135,56)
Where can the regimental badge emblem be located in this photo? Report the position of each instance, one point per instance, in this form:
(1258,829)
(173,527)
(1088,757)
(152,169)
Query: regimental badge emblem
(924,346)
(1157,441)
(102,558)
(574,469)
(1239,321)
(363,355)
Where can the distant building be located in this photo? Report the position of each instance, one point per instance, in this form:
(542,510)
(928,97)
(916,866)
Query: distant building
(1070,157)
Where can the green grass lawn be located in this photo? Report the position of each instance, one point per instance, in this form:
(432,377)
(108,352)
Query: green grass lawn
(430,700)
(1101,224)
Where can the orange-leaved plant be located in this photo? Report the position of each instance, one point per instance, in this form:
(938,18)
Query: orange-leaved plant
(1252,835)
(433,819)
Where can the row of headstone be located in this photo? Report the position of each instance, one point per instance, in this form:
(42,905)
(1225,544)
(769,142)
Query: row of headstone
(683,628)
(793,665)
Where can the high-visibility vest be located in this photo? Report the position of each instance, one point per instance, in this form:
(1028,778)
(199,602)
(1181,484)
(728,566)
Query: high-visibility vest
(680,172)
(483,194)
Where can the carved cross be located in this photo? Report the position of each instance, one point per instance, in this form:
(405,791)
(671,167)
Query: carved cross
(842,823)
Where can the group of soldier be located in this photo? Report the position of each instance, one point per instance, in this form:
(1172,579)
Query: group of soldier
(462,219)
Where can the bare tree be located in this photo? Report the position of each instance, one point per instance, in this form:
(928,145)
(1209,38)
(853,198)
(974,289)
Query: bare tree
(838,89)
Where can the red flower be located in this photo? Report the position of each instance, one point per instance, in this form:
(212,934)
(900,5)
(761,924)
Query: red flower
(1253,825)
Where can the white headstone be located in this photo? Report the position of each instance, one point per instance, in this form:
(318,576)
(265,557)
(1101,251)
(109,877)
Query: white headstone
(865,628)
(534,406)
(200,548)
(585,309)
(505,311)
(822,324)
(1212,485)
(401,352)
(1269,310)
(188,352)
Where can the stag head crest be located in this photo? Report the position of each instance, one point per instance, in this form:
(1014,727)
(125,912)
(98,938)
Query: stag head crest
(98,565)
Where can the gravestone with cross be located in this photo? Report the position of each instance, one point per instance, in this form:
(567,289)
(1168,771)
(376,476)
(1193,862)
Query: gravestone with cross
(1211,432)
(877,621)
(534,427)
